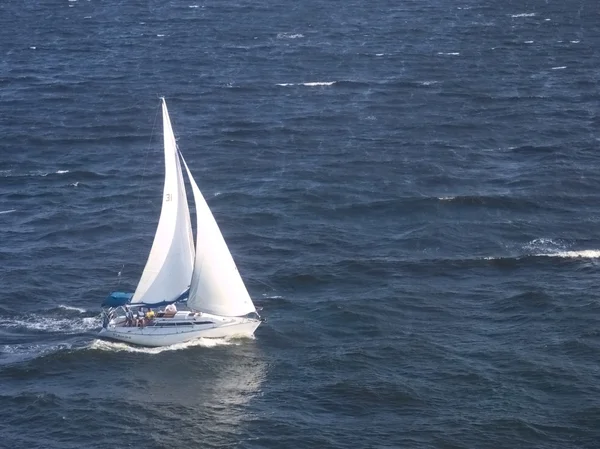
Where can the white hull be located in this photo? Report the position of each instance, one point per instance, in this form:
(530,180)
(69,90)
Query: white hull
(170,331)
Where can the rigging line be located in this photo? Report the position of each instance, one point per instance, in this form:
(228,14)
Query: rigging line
(139,186)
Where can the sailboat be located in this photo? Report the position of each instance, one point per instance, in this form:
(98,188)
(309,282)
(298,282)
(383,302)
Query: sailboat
(203,273)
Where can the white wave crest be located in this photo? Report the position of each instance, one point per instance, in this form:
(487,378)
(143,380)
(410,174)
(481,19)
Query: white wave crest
(112,346)
(289,35)
(545,245)
(309,84)
(7,211)
(11,173)
(319,83)
(584,254)
(562,67)
(76,309)
(524,14)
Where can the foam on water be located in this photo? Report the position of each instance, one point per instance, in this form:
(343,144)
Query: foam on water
(76,309)
(309,84)
(319,83)
(50,324)
(543,244)
(545,247)
(104,345)
(524,14)
(289,35)
(19,353)
(583,254)
(33,173)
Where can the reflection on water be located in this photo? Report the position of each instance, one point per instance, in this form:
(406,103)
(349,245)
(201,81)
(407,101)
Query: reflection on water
(202,392)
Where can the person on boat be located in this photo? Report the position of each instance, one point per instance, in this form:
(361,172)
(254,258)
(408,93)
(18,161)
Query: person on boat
(150,315)
(170,310)
(139,318)
(128,317)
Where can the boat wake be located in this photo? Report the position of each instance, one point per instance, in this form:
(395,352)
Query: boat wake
(71,308)
(51,324)
(24,352)
(113,346)
(28,336)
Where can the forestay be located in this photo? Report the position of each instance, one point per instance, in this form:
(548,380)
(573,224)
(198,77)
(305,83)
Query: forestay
(170,264)
(216,286)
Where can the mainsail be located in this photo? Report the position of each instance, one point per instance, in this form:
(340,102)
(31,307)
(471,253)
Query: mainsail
(170,264)
(217,287)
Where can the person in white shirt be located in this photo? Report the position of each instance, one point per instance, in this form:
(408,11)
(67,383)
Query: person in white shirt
(171,309)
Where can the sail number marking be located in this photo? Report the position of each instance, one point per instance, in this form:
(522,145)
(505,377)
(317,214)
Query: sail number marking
(168,197)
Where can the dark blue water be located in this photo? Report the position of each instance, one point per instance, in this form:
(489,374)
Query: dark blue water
(411,191)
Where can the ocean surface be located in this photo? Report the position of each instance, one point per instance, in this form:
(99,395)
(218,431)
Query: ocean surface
(411,191)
